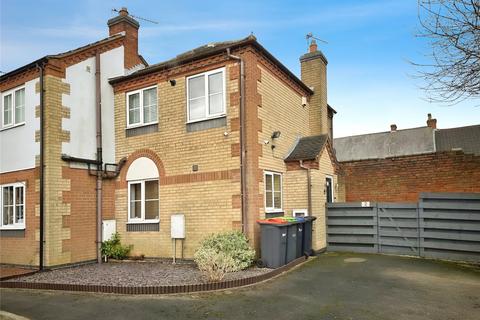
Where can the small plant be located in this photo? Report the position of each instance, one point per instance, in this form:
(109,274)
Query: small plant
(223,253)
(114,249)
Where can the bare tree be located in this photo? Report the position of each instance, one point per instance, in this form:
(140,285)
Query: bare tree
(452,28)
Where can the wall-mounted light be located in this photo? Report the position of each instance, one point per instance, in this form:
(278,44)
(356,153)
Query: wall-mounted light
(276,134)
(173,82)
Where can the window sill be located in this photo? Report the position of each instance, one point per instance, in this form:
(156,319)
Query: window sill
(143,221)
(223,115)
(140,125)
(12,126)
(274,211)
(12,228)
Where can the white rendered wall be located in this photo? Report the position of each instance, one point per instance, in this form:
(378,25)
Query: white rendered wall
(17,144)
(81,102)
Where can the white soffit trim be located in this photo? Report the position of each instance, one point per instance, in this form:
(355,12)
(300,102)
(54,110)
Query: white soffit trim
(142,169)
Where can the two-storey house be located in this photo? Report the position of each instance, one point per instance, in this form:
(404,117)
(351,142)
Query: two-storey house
(224,134)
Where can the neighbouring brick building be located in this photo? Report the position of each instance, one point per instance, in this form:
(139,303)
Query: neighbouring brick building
(223,134)
(396,166)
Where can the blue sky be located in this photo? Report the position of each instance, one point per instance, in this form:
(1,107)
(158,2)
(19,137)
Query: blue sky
(370,82)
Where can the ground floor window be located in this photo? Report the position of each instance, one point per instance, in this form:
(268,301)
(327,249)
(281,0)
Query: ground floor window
(143,201)
(12,203)
(273,191)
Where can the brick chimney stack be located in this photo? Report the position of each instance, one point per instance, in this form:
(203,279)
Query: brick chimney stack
(314,74)
(393,127)
(125,24)
(432,123)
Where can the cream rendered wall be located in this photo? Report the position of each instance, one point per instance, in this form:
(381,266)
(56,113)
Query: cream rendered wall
(17,144)
(81,101)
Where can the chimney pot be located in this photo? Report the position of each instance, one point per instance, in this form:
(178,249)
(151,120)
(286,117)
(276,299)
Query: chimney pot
(432,123)
(123,12)
(393,127)
(313,46)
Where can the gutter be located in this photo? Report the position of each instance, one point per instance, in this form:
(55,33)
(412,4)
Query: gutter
(309,186)
(243,171)
(40,65)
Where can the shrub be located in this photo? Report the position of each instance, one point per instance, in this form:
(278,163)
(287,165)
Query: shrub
(223,253)
(114,249)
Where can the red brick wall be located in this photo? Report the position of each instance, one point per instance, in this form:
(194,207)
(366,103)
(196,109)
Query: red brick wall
(402,179)
(82,218)
(23,250)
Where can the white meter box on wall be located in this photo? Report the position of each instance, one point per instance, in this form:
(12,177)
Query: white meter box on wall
(177,230)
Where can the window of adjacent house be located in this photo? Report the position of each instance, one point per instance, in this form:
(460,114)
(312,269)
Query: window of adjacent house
(206,95)
(12,200)
(143,201)
(273,191)
(13,107)
(142,107)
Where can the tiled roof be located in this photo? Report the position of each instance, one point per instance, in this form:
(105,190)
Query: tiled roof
(60,55)
(308,148)
(385,144)
(209,50)
(465,138)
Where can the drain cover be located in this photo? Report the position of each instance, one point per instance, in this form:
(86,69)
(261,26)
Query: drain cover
(355,260)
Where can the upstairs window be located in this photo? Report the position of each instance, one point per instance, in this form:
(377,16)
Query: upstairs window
(142,107)
(12,200)
(273,192)
(206,95)
(13,107)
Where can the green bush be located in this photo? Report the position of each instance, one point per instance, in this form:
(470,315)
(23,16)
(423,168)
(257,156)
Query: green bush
(114,249)
(222,253)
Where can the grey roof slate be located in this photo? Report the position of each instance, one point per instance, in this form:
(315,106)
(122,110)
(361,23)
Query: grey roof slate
(465,138)
(307,148)
(385,144)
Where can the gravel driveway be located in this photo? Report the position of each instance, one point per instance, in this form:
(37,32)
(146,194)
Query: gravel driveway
(137,273)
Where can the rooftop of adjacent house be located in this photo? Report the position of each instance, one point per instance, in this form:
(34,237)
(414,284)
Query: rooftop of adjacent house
(466,139)
(395,143)
(207,50)
(385,144)
(308,148)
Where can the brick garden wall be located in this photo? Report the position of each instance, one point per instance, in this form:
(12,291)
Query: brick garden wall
(403,178)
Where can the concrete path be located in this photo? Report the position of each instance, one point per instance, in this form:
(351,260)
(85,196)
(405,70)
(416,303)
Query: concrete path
(333,286)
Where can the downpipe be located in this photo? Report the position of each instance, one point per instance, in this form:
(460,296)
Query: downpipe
(243,151)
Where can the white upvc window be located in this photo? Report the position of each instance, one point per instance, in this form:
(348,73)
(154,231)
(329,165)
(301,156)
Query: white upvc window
(143,201)
(13,107)
(142,107)
(273,191)
(12,202)
(206,95)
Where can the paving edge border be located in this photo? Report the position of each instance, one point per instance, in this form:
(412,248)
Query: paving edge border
(188,288)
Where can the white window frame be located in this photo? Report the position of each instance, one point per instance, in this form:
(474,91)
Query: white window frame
(140,93)
(14,226)
(272,209)
(333,187)
(142,202)
(206,95)
(300,212)
(12,93)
